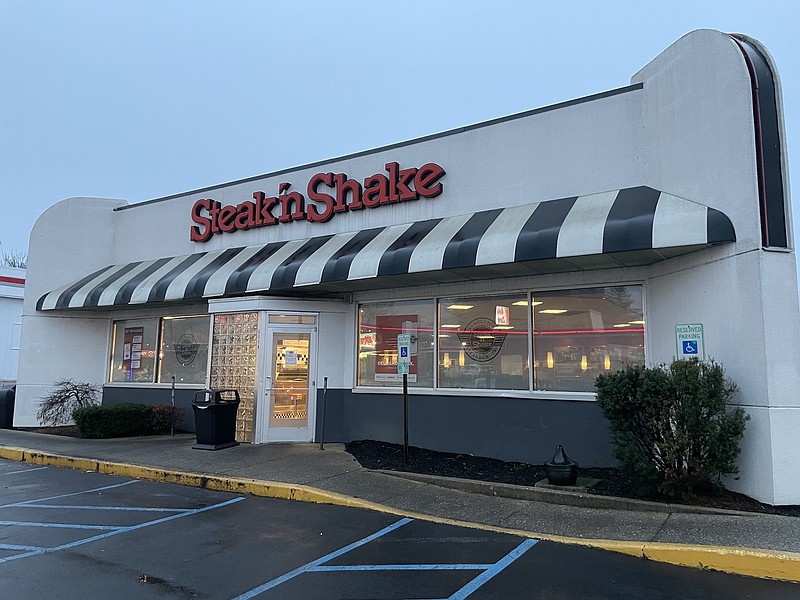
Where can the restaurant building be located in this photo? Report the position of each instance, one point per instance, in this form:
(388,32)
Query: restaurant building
(522,256)
(12,289)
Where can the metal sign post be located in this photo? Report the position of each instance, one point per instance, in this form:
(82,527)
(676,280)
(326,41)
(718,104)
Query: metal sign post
(172,415)
(324,403)
(403,364)
(405,417)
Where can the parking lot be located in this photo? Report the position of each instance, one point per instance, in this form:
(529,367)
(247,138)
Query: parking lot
(72,534)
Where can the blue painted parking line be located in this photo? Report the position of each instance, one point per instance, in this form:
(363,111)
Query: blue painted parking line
(493,570)
(488,570)
(436,567)
(305,568)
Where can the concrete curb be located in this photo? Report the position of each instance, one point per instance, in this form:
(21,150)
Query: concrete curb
(784,566)
(563,497)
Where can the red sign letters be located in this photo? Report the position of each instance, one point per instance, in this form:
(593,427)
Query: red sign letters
(328,194)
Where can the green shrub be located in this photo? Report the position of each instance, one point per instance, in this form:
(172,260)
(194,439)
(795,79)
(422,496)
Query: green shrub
(673,427)
(124,420)
(116,420)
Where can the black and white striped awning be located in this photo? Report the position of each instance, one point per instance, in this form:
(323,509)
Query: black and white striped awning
(633,226)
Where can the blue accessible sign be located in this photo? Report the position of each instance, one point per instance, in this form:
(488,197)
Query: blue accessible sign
(403,353)
(689,341)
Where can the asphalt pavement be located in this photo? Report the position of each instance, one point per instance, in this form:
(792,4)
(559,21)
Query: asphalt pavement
(745,543)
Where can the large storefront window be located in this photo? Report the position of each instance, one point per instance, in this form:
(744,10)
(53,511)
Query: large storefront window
(154,350)
(378,328)
(133,357)
(579,334)
(483,342)
(184,350)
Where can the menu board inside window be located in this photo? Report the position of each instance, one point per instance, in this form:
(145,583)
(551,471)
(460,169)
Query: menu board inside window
(132,350)
(133,359)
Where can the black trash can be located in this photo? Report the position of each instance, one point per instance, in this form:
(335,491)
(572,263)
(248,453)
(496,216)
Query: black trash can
(7,407)
(215,419)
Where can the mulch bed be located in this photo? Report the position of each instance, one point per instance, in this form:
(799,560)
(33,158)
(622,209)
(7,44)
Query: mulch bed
(65,430)
(613,482)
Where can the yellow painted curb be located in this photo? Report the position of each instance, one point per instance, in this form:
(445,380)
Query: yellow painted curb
(768,564)
(255,487)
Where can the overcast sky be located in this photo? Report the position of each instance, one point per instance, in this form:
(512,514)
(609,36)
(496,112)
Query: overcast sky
(142,99)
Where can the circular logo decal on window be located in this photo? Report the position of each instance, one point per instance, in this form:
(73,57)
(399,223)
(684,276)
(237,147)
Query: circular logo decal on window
(480,340)
(186,349)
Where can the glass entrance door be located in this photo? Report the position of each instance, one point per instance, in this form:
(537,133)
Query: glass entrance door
(290,386)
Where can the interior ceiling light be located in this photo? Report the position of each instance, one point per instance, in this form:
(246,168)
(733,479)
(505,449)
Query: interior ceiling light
(636,322)
(620,325)
(503,327)
(552,311)
(450,326)
(525,303)
(460,307)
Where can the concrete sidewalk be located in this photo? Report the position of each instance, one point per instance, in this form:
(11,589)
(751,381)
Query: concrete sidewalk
(745,543)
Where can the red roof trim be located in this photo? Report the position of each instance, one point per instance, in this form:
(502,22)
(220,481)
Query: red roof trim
(15,280)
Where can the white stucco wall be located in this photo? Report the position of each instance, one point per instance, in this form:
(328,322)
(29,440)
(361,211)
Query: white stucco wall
(72,237)
(700,146)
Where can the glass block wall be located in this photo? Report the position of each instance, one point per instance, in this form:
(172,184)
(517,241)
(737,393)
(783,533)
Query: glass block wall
(233,364)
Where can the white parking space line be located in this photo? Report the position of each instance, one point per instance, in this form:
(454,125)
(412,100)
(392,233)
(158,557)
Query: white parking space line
(123,508)
(23,471)
(58,525)
(108,530)
(19,548)
(99,489)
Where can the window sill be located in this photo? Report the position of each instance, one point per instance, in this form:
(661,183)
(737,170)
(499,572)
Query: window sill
(128,384)
(521,394)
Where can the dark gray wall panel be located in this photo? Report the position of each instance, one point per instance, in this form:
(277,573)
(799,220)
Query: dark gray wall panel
(332,409)
(506,428)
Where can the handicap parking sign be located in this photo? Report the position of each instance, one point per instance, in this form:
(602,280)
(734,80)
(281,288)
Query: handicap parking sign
(689,341)
(403,351)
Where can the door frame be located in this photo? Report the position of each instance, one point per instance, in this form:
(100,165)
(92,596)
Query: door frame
(263,433)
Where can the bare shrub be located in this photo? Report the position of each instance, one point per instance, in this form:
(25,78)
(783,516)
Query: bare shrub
(15,259)
(56,408)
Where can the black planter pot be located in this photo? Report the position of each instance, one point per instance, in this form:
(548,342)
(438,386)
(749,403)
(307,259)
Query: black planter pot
(560,470)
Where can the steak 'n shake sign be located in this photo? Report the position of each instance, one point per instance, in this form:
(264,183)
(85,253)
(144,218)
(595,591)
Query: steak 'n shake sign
(327,194)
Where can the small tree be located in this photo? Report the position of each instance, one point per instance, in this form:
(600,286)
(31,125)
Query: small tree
(672,425)
(57,407)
